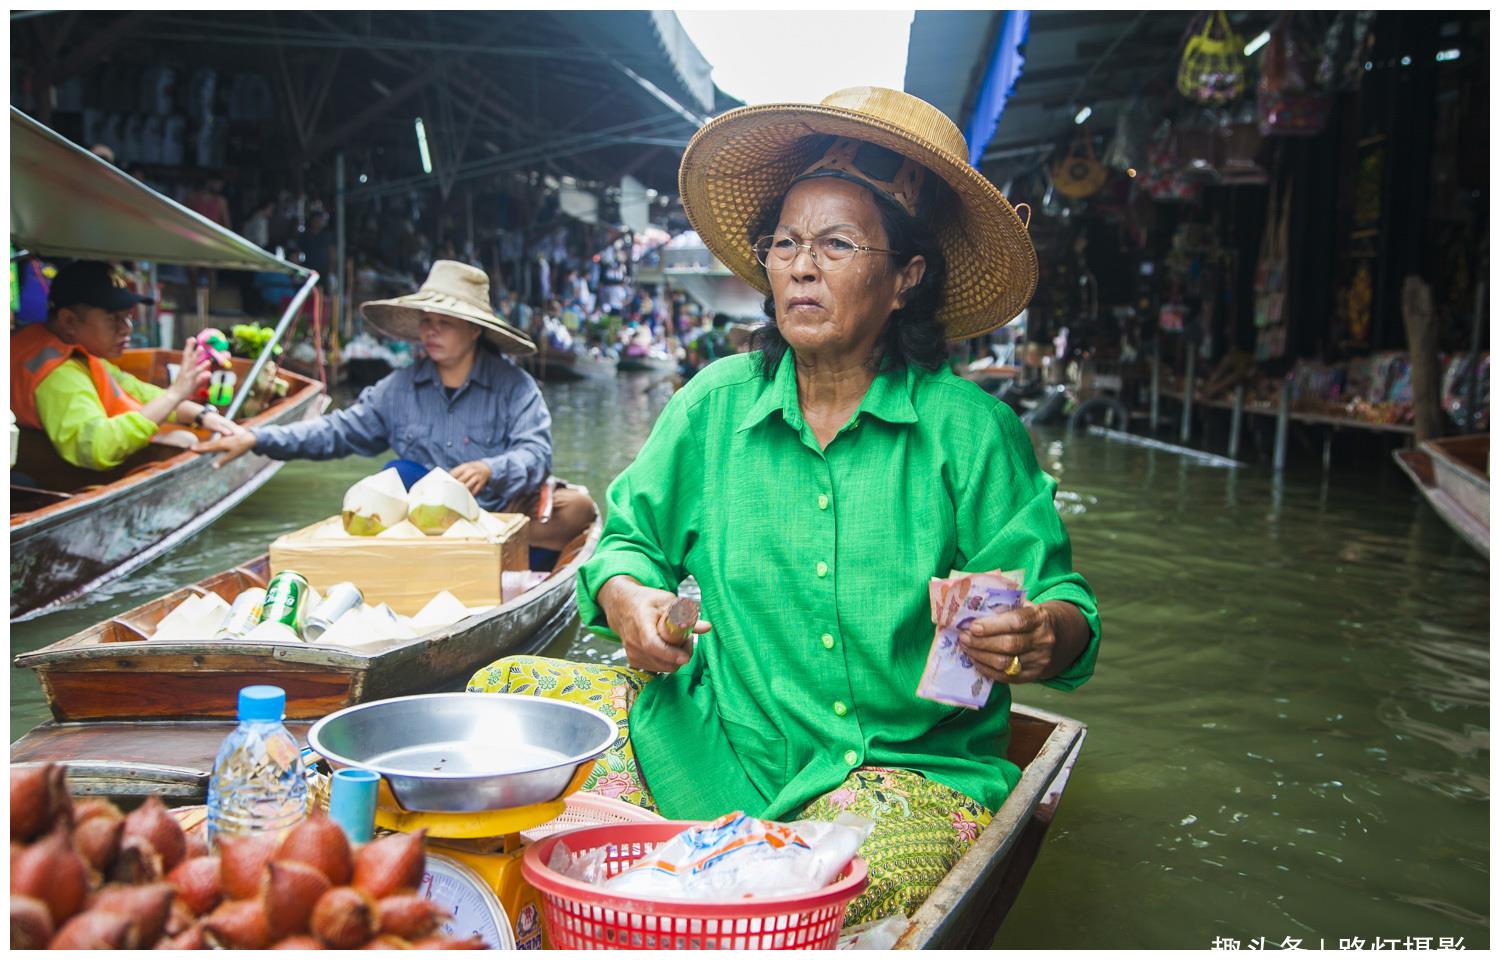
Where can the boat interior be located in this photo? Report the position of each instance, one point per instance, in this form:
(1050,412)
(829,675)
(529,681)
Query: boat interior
(137,624)
(1471,452)
(41,478)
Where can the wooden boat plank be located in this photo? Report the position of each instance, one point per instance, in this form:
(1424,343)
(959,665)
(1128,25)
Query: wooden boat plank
(961,910)
(164,694)
(1460,466)
(1016,866)
(168,759)
(1417,465)
(1475,531)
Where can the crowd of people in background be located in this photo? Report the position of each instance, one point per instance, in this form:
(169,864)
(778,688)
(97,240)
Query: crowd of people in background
(565,302)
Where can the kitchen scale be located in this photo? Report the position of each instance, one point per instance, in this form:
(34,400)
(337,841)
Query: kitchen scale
(476,771)
(474,866)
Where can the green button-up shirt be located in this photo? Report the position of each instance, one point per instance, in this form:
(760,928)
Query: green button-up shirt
(814,566)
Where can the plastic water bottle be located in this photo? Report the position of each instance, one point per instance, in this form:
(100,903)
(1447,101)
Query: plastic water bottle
(258,784)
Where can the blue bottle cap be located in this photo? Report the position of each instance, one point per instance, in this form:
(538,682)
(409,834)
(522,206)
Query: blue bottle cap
(261,703)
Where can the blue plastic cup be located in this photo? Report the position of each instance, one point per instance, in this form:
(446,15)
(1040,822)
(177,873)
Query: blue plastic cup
(352,803)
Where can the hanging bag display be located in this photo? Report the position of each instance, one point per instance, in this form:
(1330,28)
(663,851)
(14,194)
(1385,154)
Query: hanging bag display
(1079,174)
(1164,179)
(1213,63)
(1271,280)
(1286,103)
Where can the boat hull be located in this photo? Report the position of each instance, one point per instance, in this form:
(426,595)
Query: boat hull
(653,364)
(113,672)
(62,552)
(967,908)
(568,367)
(1452,476)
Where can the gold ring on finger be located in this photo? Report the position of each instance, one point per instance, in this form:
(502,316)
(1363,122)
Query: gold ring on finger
(1014,670)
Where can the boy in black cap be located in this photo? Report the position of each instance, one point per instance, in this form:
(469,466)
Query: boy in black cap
(61,380)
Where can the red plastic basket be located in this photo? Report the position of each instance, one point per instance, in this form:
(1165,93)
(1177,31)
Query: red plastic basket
(584,917)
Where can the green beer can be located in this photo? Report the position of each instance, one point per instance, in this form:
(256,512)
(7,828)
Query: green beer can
(286,600)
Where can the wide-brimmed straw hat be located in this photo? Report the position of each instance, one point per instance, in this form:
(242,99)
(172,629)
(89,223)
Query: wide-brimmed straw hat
(452,289)
(744,161)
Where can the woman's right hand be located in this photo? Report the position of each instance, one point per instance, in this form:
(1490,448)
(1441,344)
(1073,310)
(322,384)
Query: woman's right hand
(193,374)
(234,445)
(639,615)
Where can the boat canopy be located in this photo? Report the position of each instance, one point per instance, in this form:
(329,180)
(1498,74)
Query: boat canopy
(67,202)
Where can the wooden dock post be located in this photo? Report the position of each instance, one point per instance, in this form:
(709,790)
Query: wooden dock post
(1155,382)
(1283,421)
(1235,419)
(1187,397)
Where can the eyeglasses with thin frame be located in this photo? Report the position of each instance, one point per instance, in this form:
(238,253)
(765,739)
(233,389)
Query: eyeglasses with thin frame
(776,252)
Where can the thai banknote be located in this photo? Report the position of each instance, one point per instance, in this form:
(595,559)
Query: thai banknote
(957,600)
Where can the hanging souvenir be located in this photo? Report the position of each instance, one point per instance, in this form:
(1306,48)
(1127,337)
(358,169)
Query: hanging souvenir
(1079,174)
(1163,179)
(1271,280)
(1287,103)
(1213,62)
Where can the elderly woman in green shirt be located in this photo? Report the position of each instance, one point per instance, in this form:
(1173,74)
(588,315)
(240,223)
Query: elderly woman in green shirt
(812,488)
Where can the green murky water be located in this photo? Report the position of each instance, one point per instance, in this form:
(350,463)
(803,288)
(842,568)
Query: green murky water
(1288,729)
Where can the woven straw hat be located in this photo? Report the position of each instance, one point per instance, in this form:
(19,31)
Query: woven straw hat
(743,161)
(452,289)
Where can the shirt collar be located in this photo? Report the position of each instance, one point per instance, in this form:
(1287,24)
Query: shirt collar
(888,398)
(482,374)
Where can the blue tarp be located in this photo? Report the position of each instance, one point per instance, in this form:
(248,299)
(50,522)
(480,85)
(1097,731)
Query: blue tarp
(999,81)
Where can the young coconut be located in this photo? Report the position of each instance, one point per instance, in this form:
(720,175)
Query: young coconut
(437,501)
(375,504)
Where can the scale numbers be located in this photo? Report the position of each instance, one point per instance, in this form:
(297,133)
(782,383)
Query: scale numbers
(462,892)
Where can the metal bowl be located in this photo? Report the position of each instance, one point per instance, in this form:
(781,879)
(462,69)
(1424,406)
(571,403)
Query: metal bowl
(466,752)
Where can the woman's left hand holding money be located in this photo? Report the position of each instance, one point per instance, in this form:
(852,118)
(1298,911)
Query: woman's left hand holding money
(1032,642)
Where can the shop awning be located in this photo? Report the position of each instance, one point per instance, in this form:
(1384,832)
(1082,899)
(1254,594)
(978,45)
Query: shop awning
(66,202)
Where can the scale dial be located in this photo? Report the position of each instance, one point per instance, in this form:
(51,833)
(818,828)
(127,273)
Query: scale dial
(475,908)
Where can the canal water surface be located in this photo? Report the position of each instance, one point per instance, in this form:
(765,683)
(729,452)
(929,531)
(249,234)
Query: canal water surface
(1289,723)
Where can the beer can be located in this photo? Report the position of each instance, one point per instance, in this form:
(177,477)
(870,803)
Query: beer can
(286,600)
(243,615)
(340,599)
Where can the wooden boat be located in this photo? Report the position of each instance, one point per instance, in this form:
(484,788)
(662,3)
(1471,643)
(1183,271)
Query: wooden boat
(1454,476)
(651,362)
(73,529)
(111,671)
(568,366)
(969,905)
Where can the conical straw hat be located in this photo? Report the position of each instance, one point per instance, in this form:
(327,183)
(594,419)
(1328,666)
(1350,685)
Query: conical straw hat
(743,161)
(452,289)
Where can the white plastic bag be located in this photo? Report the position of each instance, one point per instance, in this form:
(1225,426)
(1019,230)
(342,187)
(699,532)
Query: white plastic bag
(737,856)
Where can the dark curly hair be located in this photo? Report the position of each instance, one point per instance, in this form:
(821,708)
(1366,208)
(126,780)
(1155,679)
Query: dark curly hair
(913,334)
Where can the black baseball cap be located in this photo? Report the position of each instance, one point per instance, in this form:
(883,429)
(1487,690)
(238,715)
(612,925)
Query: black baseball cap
(92,283)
